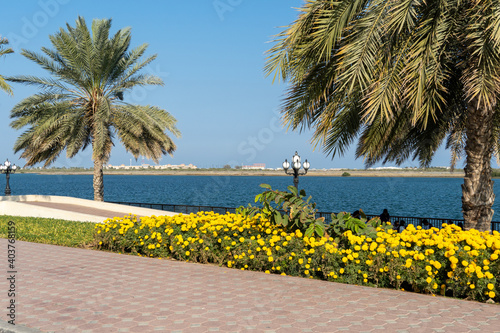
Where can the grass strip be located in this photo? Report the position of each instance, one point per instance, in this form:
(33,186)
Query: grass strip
(50,231)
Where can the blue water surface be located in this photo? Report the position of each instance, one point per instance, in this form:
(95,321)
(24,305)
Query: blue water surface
(429,197)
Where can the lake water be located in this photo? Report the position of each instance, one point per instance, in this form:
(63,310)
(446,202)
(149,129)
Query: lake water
(429,197)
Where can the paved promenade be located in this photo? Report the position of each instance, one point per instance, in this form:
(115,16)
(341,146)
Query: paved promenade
(61,289)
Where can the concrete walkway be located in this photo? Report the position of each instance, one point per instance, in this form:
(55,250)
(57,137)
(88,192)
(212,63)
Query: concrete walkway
(61,289)
(74,209)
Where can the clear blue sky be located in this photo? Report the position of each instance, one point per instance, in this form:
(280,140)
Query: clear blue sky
(211,55)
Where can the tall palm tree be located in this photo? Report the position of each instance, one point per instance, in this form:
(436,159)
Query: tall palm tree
(3,51)
(82,105)
(400,77)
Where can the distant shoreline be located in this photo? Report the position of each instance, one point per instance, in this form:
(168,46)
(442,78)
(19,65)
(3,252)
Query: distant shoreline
(233,172)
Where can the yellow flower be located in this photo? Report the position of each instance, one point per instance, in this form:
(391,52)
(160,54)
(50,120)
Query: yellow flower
(301,261)
(472,286)
(306,272)
(491,294)
(490,286)
(270,259)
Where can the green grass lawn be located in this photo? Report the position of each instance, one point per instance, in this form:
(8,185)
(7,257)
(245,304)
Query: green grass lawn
(50,231)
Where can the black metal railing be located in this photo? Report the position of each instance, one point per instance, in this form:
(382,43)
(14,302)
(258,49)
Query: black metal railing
(416,221)
(187,209)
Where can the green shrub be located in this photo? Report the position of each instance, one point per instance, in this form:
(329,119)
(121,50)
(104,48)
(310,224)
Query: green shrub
(288,210)
(343,222)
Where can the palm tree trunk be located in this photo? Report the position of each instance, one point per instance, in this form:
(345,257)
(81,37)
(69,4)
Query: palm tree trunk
(98,180)
(477,190)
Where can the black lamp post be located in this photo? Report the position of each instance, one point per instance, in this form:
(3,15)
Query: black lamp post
(296,172)
(7,168)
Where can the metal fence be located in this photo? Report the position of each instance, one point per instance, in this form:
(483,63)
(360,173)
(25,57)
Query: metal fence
(188,209)
(185,209)
(416,221)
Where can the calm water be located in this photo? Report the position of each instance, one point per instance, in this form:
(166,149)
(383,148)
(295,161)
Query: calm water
(431,197)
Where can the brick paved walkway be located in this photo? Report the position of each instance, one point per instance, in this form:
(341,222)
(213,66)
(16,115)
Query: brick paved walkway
(63,289)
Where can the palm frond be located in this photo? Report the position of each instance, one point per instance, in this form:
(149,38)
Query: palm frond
(3,51)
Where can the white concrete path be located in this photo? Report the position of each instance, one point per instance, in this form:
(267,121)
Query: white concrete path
(69,208)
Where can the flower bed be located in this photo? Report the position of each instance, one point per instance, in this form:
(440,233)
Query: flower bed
(448,261)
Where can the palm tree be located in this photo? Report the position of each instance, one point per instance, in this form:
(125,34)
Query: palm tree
(82,103)
(399,77)
(3,51)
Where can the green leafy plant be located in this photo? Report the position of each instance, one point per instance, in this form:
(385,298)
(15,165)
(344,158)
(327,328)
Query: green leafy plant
(287,209)
(343,222)
(346,174)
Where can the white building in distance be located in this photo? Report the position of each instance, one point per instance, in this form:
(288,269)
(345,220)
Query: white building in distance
(255,166)
(157,167)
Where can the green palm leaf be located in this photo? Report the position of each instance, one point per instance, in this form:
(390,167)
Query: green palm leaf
(3,51)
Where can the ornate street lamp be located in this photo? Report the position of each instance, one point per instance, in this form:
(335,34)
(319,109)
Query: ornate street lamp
(296,172)
(7,168)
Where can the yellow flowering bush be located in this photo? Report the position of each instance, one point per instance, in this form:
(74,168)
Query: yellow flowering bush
(448,261)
